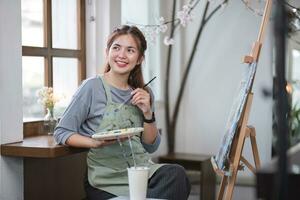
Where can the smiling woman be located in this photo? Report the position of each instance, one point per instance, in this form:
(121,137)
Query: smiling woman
(98,106)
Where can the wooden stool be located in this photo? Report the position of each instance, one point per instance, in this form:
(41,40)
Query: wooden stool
(196,162)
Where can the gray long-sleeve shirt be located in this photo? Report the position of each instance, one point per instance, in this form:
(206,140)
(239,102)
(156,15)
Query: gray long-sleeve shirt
(85,112)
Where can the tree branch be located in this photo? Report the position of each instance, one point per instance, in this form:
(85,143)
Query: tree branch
(167,106)
(187,69)
(186,72)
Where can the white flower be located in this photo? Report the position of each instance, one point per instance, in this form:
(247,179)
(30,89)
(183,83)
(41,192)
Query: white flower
(163,28)
(223,5)
(185,15)
(162,25)
(151,34)
(161,20)
(168,41)
(46,97)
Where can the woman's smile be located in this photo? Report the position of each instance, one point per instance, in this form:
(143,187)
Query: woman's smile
(121,63)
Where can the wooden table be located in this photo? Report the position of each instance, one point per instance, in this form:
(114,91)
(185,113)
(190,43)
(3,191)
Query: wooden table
(51,171)
(198,162)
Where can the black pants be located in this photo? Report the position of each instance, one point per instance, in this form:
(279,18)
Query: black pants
(168,182)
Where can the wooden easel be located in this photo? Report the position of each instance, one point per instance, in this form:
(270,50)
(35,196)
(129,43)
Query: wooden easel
(235,156)
(236,160)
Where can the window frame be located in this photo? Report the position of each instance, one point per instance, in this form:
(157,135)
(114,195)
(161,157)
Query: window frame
(32,128)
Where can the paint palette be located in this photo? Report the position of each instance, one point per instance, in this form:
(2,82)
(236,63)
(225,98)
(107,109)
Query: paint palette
(113,134)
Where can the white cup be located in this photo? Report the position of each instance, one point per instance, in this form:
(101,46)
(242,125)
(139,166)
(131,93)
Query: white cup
(138,182)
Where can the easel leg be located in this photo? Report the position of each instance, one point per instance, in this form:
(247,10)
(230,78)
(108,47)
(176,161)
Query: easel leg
(222,187)
(254,147)
(235,160)
(230,186)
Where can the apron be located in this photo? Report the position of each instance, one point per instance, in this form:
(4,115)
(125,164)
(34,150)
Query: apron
(107,168)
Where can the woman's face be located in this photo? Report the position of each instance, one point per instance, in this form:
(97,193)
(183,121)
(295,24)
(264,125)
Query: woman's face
(123,55)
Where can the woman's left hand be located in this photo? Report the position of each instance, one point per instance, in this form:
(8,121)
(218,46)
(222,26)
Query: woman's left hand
(141,98)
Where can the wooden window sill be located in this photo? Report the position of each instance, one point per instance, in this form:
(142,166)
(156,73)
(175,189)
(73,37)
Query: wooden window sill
(41,146)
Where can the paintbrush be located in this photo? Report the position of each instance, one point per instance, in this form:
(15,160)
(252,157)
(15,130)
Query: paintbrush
(125,102)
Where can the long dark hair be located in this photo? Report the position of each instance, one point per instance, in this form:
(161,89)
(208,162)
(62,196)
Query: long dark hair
(135,79)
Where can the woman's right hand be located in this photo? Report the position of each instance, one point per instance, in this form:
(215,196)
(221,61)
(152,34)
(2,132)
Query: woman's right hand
(77,140)
(101,143)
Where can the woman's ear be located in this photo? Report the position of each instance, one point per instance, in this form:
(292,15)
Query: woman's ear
(140,60)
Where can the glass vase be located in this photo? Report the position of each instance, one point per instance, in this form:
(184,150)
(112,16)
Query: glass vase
(49,121)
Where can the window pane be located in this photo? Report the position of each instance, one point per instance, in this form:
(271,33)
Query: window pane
(296,64)
(64,24)
(32,23)
(296,76)
(65,81)
(33,80)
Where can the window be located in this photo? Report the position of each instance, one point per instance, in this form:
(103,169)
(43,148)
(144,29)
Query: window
(53,49)
(293,89)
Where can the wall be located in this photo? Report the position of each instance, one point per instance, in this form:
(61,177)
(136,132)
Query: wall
(11,169)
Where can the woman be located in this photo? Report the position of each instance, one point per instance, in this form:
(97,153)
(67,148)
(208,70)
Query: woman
(97,106)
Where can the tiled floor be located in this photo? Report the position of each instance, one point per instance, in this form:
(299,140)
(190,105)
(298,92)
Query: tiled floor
(239,193)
